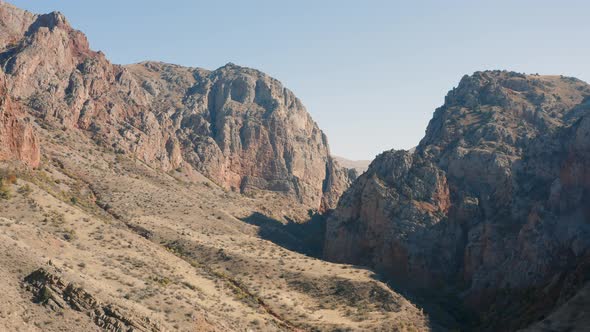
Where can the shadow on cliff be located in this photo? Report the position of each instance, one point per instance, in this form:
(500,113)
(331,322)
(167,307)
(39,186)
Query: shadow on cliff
(444,309)
(306,238)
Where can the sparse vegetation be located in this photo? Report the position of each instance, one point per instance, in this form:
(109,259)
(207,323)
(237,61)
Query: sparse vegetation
(69,234)
(5,192)
(25,190)
(6,180)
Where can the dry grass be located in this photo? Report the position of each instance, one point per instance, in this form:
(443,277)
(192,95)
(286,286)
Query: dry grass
(172,250)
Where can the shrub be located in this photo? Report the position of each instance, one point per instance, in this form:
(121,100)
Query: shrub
(25,190)
(10,178)
(7,178)
(4,190)
(69,234)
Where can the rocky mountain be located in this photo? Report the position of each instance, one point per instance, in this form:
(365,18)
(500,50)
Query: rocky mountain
(141,198)
(156,197)
(492,205)
(236,125)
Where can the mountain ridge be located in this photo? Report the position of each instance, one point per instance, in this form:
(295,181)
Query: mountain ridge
(155,196)
(172,116)
(454,213)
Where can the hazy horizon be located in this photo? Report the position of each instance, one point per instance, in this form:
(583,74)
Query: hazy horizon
(371,74)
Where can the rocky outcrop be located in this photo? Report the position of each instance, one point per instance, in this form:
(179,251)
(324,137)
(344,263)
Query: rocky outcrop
(493,201)
(236,125)
(246,131)
(17,138)
(397,202)
(13,24)
(53,292)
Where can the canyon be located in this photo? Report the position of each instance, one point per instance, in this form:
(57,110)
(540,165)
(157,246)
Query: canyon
(140,197)
(157,197)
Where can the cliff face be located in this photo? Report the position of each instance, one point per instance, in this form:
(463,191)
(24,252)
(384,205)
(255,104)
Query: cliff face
(494,197)
(236,125)
(17,138)
(244,129)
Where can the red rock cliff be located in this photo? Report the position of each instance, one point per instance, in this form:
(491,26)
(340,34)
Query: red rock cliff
(17,137)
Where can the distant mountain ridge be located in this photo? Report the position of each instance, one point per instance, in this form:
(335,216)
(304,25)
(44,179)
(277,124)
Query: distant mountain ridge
(360,166)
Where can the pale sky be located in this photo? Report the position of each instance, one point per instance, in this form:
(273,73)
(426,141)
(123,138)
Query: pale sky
(370,73)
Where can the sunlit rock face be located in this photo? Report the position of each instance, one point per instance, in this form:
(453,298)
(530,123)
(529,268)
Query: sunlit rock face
(18,141)
(237,125)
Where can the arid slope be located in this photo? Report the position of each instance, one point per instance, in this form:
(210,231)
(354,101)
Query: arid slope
(129,194)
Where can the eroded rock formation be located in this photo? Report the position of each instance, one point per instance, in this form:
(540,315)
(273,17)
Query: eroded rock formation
(52,291)
(494,198)
(17,138)
(236,125)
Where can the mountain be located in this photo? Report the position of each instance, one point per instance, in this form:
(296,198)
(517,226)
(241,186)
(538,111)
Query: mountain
(360,166)
(491,208)
(141,197)
(157,197)
(236,125)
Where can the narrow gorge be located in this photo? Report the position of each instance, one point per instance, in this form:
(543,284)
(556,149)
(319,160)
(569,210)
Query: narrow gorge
(159,197)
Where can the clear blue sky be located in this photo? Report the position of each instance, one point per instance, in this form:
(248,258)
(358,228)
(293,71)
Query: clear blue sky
(370,72)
